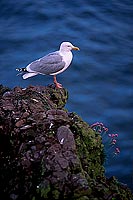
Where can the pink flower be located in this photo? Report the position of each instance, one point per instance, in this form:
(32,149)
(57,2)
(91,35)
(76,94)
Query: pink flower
(117,150)
(99,127)
(106,129)
(113,141)
(113,135)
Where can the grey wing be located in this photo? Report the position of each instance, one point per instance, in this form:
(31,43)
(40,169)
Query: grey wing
(48,64)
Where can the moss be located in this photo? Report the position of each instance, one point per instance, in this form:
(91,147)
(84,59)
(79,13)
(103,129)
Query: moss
(44,189)
(79,194)
(55,194)
(83,198)
(89,147)
(58,97)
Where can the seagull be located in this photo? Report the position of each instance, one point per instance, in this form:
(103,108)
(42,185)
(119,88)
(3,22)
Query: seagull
(52,64)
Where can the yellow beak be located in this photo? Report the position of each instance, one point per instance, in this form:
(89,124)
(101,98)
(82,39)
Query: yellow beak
(75,48)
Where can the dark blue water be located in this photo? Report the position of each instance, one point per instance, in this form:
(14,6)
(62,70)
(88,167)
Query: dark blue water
(100,79)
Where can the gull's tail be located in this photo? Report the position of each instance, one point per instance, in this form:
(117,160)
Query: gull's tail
(29,74)
(25,74)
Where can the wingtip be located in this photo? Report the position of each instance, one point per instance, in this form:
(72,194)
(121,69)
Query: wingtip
(21,69)
(18,69)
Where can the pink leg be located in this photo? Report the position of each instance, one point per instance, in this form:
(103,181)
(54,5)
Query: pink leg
(58,85)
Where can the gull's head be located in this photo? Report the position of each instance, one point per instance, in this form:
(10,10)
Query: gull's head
(67,46)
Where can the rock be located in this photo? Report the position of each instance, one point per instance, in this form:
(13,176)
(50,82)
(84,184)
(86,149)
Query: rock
(49,153)
(20,123)
(66,138)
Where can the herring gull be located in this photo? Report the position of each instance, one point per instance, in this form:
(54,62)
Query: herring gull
(52,64)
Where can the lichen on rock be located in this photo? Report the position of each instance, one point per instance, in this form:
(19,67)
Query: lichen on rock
(49,153)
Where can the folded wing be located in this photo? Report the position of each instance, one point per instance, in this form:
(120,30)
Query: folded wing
(48,64)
